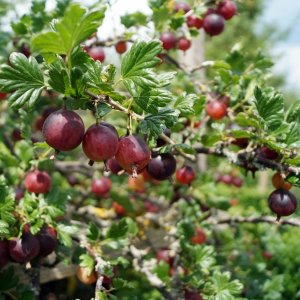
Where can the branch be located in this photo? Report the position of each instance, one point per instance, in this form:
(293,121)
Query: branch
(255,220)
(240,157)
(73,166)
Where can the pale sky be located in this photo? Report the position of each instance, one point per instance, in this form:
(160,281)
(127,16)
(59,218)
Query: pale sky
(283,13)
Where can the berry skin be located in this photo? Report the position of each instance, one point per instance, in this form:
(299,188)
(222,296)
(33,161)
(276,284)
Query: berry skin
(226,179)
(4,257)
(227,9)
(38,182)
(282,203)
(237,182)
(2,96)
(185,175)
(267,255)
(63,130)
(24,249)
(163,255)
(199,237)
(121,47)
(168,40)
(216,109)
(113,166)
(194,22)
(85,276)
(16,135)
(241,142)
(213,24)
(150,207)
(137,184)
(183,44)
(100,142)
(268,153)
(189,295)
(133,154)
(119,209)
(101,187)
(182,6)
(162,166)
(278,182)
(97,53)
(48,240)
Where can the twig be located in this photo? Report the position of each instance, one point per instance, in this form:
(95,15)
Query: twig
(254,220)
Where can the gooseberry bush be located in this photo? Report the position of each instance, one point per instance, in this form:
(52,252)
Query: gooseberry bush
(132,176)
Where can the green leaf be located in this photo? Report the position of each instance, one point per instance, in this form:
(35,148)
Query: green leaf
(245,120)
(136,64)
(185,104)
(88,262)
(24,77)
(65,232)
(122,229)
(269,105)
(293,113)
(155,124)
(75,27)
(221,288)
(151,100)
(8,279)
(162,270)
(93,232)
(100,80)
(134,19)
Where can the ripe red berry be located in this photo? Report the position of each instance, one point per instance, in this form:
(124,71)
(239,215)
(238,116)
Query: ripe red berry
(151,207)
(227,9)
(72,180)
(183,44)
(101,187)
(199,237)
(193,21)
(133,154)
(113,165)
(237,181)
(2,96)
(182,6)
(189,295)
(213,24)
(48,240)
(268,153)
(38,182)
(24,249)
(241,142)
(25,50)
(185,175)
(63,130)
(97,53)
(267,255)
(226,179)
(216,109)
(16,135)
(282,203)
(4,257)
(121,47)
(162,166)
(168,40)
(163,255)
(100,142)
(119,209)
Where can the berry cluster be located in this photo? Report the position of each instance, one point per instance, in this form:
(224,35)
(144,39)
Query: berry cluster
(25,248)
(212,21)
